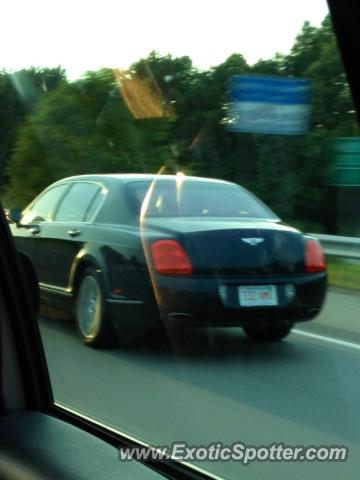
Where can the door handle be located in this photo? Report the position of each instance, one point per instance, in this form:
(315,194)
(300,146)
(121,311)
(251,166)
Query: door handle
(35,229)
(74,232)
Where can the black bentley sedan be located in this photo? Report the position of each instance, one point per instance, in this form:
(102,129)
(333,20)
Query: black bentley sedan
(127,252)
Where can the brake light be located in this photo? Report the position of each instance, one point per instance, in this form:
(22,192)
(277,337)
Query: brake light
(170,258)
(314,257)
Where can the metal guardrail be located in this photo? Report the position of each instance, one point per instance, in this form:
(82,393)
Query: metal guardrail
(347,247)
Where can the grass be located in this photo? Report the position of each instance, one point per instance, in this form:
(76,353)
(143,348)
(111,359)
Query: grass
(343,273)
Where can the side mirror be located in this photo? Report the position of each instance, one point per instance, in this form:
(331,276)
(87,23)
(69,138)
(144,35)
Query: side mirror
(14,215)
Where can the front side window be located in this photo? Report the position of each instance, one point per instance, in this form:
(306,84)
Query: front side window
(76,202)
(43,208)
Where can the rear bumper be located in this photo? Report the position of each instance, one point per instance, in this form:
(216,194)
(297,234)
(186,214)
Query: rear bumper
(131,314)
(215,301)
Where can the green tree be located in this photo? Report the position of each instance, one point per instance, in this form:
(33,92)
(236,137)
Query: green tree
(82,127)
(163,111)
(19,93)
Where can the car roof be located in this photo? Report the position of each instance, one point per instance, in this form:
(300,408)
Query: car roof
(130,177)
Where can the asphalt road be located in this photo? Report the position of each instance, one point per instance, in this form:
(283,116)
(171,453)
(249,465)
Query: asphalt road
(215,385)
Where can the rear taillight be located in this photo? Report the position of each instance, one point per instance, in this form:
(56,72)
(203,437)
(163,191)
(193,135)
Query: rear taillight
(169,258)
(314,257)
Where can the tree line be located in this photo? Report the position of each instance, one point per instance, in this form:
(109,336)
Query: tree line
(165,112)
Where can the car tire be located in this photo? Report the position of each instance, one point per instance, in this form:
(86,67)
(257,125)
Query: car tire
(268,332)
(90,316)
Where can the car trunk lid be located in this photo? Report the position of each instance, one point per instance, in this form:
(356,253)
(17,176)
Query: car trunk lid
(231,248)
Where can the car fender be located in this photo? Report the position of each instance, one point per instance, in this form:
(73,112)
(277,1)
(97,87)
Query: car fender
(87,257)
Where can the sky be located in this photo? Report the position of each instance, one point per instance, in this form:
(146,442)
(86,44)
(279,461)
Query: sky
(82,35)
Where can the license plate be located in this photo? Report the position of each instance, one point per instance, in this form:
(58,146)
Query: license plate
(258,296)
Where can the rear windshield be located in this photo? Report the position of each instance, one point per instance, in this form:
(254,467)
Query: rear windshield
(196,199)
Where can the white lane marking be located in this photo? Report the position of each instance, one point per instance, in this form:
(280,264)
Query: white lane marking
(327,339)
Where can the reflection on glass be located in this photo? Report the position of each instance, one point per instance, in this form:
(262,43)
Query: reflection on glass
(185,286)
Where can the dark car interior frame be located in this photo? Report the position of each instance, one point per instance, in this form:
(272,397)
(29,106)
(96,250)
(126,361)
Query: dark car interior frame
(73,446)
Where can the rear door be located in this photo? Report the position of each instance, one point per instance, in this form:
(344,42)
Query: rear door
(62,238)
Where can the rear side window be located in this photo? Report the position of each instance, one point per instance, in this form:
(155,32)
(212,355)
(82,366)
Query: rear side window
(76,203)
(42,208)
(94,205)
